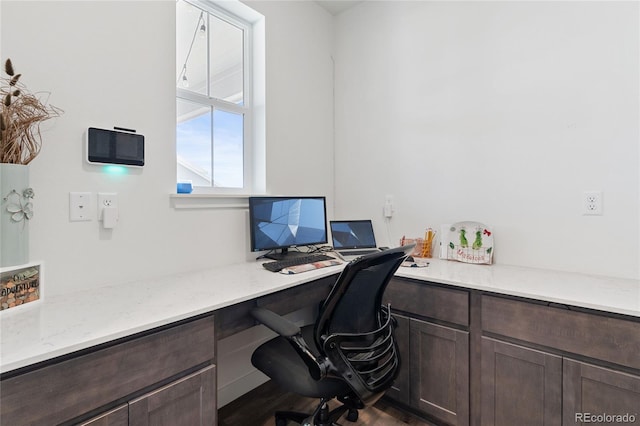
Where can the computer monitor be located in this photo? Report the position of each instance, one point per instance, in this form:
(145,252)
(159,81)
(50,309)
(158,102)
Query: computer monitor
(280,223)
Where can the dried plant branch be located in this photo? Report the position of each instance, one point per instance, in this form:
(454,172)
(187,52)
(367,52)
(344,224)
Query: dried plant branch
(20,118)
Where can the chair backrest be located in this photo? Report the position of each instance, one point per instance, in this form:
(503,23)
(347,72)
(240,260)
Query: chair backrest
(354,331)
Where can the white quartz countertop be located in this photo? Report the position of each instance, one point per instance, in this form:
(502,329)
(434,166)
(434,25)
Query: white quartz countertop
(55,326)
(60,325)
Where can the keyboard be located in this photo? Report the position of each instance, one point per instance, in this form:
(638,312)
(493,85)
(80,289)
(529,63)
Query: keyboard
(297,260)
(358,252)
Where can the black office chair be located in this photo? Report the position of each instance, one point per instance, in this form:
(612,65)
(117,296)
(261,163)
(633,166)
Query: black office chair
(349,353)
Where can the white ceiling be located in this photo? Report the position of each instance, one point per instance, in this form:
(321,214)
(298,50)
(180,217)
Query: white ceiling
(335,7)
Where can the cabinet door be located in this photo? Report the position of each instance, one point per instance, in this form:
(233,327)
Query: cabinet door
(440,372)
(116,417)
(520,386)
(591,391)
(188,401)
(400,389)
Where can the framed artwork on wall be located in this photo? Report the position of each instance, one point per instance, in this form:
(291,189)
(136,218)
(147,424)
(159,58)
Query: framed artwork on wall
(20,285)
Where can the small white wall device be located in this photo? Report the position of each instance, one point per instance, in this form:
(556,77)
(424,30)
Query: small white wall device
(120,146)
(108,209)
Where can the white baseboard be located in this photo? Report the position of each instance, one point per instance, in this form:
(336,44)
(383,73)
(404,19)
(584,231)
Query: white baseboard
(239,387)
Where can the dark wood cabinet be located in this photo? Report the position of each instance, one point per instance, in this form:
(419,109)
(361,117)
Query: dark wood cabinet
(599,336)
(525,386)
(432,302)
(483,359)
(434,375)
(188,401)
(520,386)
(73,389)
(543,380)
(440,372)
(590,391)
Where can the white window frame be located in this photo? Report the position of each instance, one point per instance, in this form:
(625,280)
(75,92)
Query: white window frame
(226,11)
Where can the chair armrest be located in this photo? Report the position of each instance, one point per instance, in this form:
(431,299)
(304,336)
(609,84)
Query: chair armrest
(285,328)
(275,322)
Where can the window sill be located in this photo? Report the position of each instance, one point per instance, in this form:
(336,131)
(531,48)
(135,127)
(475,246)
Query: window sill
(209,201)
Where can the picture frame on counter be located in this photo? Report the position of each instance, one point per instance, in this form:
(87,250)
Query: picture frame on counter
(20,285)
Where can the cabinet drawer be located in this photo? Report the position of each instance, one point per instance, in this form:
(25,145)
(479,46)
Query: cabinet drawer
(428,301)
(609,339)
(292,299)
(78,385)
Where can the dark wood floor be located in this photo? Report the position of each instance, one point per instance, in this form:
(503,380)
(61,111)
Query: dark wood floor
(256,408)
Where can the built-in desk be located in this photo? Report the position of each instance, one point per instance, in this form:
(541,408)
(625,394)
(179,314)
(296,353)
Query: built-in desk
(63,324)
(125,354)
(158,322)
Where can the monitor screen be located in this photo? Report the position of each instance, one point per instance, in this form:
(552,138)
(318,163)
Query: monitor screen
(282,222)
(353,234)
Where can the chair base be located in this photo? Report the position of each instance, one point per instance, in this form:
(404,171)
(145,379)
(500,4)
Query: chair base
(321,417)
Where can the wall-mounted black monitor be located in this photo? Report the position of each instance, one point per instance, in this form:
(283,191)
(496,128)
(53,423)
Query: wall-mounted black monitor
(114,147)
(279,223)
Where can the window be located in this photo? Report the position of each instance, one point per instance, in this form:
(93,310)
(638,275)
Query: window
(214,136)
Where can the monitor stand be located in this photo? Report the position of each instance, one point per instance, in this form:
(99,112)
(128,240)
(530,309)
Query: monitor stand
(283,254)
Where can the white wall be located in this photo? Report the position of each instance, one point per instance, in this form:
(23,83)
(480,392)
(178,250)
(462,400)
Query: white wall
(299,97)
(112,64)
(499,112)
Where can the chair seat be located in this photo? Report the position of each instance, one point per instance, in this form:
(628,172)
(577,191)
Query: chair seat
(278,360)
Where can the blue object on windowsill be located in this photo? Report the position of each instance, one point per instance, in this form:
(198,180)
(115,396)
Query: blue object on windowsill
(184,188)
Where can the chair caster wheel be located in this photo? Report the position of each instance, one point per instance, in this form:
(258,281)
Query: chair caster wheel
(352,416)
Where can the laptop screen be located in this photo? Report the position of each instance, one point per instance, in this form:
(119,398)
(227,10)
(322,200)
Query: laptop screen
(348,234)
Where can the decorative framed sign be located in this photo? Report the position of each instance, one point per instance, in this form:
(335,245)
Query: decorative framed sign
(20,285)
(468,242)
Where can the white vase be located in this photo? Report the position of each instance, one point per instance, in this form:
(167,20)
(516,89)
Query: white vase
(15,212)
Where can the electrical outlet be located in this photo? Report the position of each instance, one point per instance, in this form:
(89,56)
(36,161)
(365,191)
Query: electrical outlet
(388,206)
(106,199)
(592,203)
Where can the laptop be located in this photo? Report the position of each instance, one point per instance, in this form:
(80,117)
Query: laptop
(353,238)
